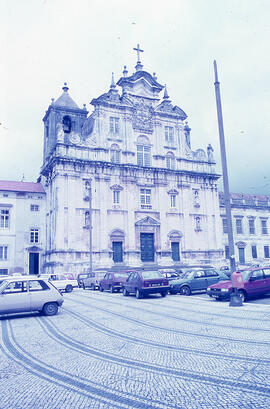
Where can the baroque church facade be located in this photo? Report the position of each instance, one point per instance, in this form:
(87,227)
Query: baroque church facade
(127,170)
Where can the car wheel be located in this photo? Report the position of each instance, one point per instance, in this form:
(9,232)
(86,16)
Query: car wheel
(163,293)
(138,294)
(69,288)
(125,292)
(185,290)
(51,308)
(242,295)
(101,288)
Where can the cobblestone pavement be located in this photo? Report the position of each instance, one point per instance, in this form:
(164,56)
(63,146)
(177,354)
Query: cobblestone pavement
(107,351)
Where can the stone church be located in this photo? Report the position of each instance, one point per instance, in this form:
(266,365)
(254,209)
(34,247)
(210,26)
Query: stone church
(127,174)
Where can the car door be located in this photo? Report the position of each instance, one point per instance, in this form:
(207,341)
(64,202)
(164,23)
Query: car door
(199,281)
(128,282)
(257,283)
(15,298)
(267,279)
(212,277)
(40,293)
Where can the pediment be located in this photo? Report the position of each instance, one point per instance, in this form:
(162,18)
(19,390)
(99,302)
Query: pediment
(147,221)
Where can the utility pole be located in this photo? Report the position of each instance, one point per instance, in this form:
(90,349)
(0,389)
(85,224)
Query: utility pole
(90,228)
(235,299)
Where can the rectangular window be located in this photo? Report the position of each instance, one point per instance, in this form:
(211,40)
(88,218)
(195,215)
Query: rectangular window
(266,251)
(146,198)
(3,271)
(143,155)
(3,252)
(116,196)
(225,225)
(115,156)
(227,252)
(114,125)
(254,251)
(34,208)
(239,228)
(170,162)
(251,223)
(169,136)
(34,233)
(173,200)
(264,227)
(4,220)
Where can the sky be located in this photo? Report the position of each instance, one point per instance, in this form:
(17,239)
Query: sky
(44,43)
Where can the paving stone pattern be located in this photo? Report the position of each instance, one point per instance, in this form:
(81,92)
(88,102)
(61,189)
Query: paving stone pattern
(107,351)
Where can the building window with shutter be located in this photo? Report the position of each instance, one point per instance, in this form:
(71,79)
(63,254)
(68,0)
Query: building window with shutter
(3,252)
(225,225)
(239,227)
(254,251)
(264,227)
(251,224)
(116,196)
(173,200)
(145,198)
(4,219)
(143,155)
(115,154)
(34,236)
(169,135)
(170,161)
(34,208)
(114,125)
(266,251)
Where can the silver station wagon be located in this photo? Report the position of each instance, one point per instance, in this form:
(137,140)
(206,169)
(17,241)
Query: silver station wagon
(27,294)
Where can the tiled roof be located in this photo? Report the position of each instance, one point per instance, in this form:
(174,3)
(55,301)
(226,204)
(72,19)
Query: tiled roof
(14,186)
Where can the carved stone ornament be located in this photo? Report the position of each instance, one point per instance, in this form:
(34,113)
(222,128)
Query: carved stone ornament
(200,154)
(189,153)
(91,141)
(143,118)
(74,138)
(147,221)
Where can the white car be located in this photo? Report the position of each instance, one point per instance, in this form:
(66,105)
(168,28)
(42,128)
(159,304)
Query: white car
(61,282)
(27,294)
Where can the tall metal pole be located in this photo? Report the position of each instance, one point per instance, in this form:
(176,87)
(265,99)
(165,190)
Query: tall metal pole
(90,229)
(224,171)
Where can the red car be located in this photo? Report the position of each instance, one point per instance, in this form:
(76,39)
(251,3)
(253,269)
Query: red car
(145,282)
(113,281)
(256,282)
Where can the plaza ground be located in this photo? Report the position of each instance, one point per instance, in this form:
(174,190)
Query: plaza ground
(108,351)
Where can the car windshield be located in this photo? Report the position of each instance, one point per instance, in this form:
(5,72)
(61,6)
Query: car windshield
(151,274)
(120,275)
(187,274)
(245,274)
(2,285)
(83,276)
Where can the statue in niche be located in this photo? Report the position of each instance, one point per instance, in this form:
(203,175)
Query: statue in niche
(210,151)
(60,132)
(198,224)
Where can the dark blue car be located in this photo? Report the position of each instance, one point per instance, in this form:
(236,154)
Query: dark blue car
(143,282)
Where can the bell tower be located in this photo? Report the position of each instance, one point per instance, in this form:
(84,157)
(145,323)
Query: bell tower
(61,119)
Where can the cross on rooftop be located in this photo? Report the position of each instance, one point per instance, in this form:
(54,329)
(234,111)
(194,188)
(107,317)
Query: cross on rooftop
(138,51)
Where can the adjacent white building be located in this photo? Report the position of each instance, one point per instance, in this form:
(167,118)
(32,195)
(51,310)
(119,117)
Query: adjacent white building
(250,218)
(154,199)
(22,227)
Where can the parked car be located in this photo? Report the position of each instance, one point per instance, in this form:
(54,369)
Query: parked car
(196,279)
(143,282)
(27,294)
(92,280)
(113,281)
(170,274)
(81,277)
(61,282)
(256,282)
(226,270)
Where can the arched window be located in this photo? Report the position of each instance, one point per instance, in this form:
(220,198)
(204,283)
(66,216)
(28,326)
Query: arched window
(115,153)
(67,124)
(170,160)
(143,151)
